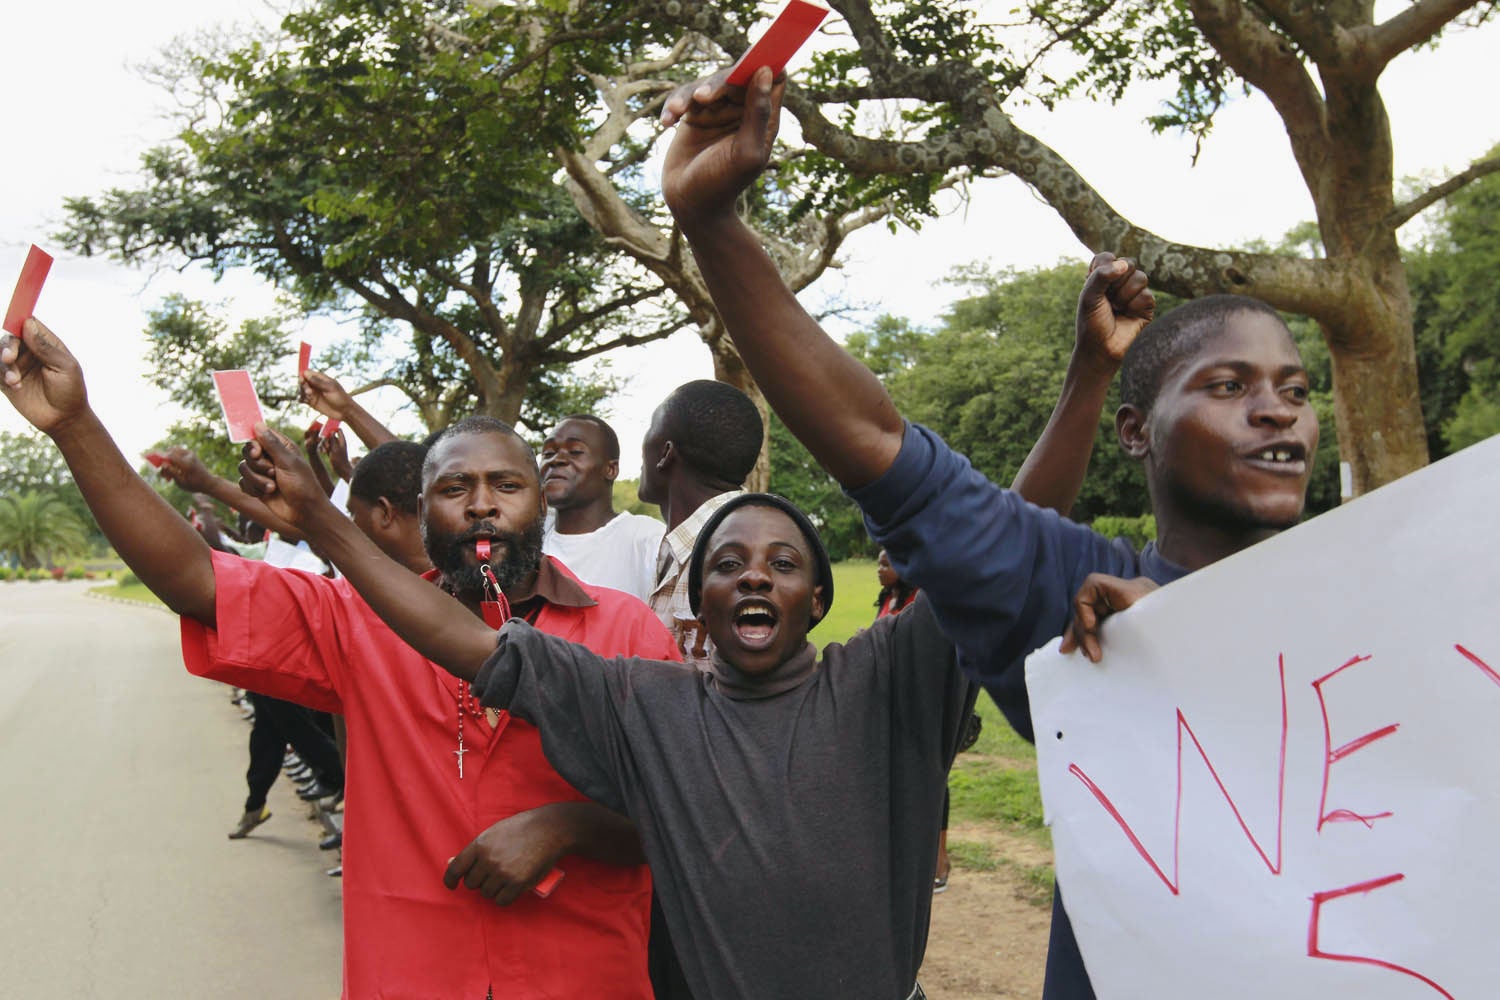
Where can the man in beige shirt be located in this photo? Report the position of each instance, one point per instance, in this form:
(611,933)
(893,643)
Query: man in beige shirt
(702,444)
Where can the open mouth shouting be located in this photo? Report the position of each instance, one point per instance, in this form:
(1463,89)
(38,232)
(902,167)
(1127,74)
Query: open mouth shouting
(755,622)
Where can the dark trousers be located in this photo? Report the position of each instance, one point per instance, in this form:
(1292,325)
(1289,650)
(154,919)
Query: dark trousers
(278,723)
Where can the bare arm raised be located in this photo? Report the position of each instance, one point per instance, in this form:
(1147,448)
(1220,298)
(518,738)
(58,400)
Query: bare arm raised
(429,620)
(44,383)
(186,469)
(1114,306)
(324,394)
(832,403)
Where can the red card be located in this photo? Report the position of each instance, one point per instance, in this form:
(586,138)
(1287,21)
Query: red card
(792,27)
(239,402)
(548,883)
(156,458)
(315,427)
(28,289)
(329,429)
(304,358)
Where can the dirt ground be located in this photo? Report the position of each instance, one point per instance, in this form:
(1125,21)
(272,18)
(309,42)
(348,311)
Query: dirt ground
(989,929)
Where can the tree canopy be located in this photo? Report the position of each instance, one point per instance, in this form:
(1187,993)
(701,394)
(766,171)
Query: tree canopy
(924,91)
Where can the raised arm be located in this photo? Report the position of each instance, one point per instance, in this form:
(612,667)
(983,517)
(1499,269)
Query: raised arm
(429,620)
(324,394)
(832,403)
(187,470)
(1114,306)
(44,383)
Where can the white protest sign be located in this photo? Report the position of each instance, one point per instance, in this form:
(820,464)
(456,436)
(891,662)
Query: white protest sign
(1283,779)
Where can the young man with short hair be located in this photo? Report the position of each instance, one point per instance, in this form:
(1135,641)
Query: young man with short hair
(432,768)
(580,462)
(701,446)
(1218,416)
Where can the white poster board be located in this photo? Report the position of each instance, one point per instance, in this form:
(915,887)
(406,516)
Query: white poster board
(1220,835)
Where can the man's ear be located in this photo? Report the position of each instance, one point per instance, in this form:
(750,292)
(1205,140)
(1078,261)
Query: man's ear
(1132,428)
(386,512)
(667,457)
(817,602)
(612,470)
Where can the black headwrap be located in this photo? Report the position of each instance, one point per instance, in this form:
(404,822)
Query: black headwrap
(822,567)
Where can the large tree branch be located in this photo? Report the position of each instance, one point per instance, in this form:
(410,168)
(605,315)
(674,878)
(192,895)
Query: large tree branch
(1268,62)
(560,329)
(625,340)
(1418,23)
(1405,213)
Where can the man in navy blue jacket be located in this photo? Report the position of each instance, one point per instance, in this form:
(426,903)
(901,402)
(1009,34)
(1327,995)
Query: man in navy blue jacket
(1215,407)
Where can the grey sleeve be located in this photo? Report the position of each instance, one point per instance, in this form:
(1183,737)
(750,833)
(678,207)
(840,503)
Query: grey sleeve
(931,696)
(572,696)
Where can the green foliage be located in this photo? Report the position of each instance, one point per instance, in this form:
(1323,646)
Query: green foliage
(987,377)
(627,499)
(31,463)
(1456,303)
(1135,530)
(38,527)
(798,477)
(397,156)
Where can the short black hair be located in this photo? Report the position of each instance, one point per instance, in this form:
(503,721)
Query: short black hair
(822,567)
(716,429)
(611,439)
(392,470)
(477,424)
(1164,343)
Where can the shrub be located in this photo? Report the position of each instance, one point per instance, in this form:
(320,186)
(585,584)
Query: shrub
(57,572)
(36,575)
(1135,530)
(127,578)
(76,573)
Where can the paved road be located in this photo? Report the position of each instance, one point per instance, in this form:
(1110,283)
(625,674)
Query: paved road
(120,775)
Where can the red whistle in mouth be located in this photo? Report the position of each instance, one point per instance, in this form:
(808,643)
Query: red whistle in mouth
(482,549)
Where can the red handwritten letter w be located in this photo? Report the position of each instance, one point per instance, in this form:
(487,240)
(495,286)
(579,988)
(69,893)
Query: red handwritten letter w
(1183,726)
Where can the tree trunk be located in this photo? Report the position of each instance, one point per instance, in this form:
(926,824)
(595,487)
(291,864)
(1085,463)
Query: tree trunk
(730,367)
(1376,400)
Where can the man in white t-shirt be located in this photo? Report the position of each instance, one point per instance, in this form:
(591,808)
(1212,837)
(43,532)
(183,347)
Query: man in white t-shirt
(579,462)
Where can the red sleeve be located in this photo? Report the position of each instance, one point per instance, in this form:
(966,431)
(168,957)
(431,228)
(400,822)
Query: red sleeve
(630,628)
(281,632)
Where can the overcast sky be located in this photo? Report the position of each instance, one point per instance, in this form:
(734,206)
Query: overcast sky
(76,116)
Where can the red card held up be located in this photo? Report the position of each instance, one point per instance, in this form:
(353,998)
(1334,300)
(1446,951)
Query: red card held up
(304,358)
(548,882)
(792,27)
(156,458)
(329,429)
(239,402)
(28,289)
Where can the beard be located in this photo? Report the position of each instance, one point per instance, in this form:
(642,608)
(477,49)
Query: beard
(515,556)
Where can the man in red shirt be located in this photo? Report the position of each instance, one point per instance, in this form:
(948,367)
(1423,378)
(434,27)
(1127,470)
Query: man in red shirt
(430,768)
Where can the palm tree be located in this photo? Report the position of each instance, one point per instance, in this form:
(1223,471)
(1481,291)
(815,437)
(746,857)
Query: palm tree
(38,526)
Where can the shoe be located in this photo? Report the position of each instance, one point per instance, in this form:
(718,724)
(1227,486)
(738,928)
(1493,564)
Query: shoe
(331,841)
(337,871)
(302,775)
(330,802)
(940,884)
(316,790)
(249,821)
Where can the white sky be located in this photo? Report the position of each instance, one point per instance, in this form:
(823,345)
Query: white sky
(77,116)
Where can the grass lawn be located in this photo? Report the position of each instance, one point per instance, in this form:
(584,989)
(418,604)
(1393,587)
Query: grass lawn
(131,590)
